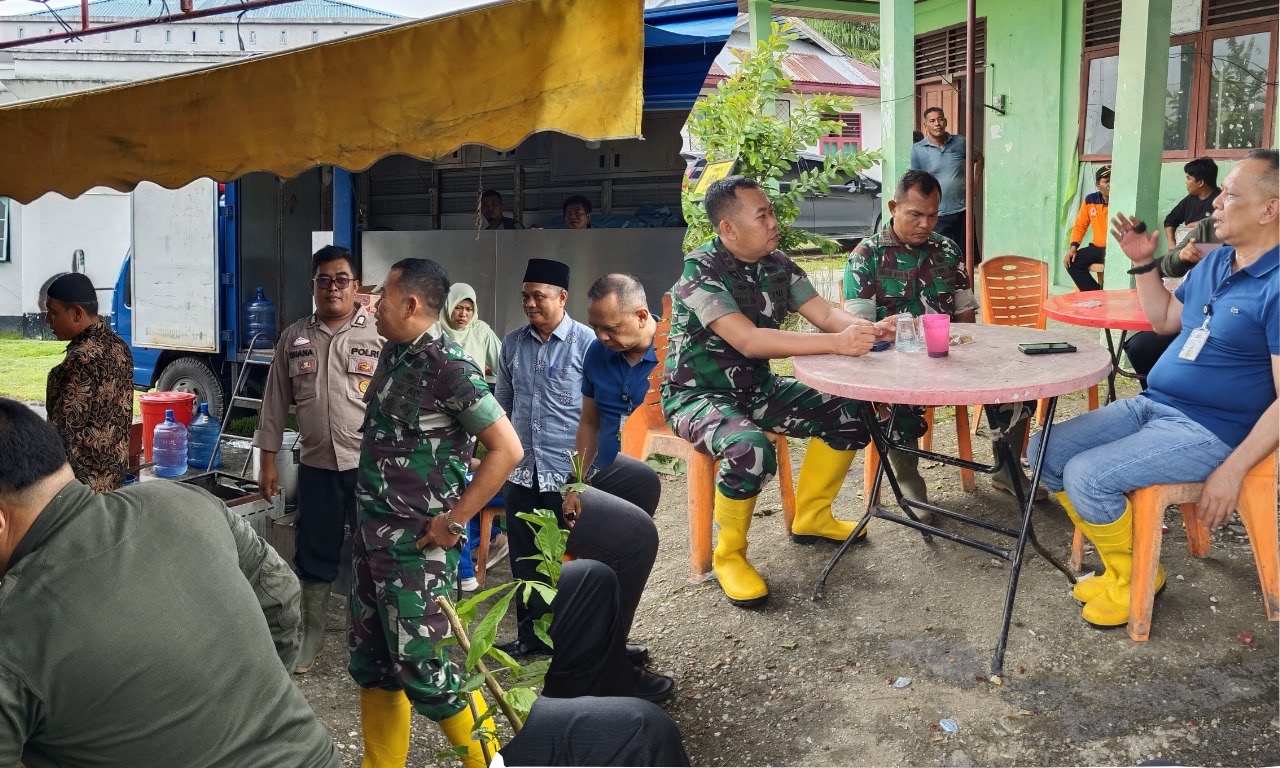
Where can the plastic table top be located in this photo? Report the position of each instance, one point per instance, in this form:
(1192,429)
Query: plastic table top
(989,370)
(1119,309)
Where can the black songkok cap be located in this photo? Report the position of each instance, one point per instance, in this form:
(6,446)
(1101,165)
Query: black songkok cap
(72,288)
(547,271)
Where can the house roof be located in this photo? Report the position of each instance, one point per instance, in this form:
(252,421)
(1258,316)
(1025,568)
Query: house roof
(141,9)
(811,64)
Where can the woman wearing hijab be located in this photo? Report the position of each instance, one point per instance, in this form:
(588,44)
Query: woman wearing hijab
(474,335)
(479,341)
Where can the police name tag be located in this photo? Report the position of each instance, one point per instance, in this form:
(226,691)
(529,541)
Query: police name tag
(1195,343)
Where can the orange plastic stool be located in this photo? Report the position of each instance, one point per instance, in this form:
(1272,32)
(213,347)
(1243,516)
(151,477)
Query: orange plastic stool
(701,470)
(482,549)
(1257,508)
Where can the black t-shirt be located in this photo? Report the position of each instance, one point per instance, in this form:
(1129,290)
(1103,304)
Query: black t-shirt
(1191,209)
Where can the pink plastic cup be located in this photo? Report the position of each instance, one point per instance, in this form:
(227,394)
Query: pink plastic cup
(937,334)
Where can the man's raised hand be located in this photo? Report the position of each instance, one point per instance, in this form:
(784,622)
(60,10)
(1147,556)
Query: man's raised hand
(1131,235)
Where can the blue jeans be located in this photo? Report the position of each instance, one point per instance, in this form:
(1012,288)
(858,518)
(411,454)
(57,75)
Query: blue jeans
(1101,455)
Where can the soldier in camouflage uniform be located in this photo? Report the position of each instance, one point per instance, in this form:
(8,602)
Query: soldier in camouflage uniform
(908,268)
(719,393)
(427,403)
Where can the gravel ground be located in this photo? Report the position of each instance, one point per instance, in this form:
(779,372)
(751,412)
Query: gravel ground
(809,683)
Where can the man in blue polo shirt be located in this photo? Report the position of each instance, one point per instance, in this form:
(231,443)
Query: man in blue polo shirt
(1209,412)
(615,380)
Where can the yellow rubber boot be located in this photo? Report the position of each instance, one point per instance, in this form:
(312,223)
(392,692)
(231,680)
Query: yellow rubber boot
(741,583)
(1114,542)
(821,476)
(384,723)
(457,729)
(1087,589)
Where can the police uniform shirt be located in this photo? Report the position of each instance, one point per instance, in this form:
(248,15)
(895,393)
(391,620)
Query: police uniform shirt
(324,372)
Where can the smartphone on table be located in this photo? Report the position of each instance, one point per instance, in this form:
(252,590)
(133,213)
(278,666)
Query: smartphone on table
(1046,348)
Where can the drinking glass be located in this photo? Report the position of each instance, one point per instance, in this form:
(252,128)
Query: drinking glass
(937,334)
(907,334)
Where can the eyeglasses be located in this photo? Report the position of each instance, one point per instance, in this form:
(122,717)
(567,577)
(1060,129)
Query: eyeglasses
(325,283)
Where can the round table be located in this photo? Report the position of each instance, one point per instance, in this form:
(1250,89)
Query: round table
(990,370)
(1117,309)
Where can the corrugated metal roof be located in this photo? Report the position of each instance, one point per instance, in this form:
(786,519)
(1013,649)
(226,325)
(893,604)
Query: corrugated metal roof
(809,68)
(140,9)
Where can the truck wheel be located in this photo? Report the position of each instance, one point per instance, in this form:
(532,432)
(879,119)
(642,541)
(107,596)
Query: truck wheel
(191,374)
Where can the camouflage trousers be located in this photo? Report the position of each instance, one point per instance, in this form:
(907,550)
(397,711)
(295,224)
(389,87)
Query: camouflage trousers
(395,628)
(732,426)
(909,423)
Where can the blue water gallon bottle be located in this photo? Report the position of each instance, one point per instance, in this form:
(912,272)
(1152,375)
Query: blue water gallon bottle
(202,440)
(260,321)
(169,447)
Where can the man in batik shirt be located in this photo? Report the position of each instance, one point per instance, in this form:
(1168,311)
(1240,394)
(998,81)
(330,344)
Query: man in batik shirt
(89,396)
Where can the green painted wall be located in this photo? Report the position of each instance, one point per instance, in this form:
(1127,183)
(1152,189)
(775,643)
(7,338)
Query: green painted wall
(1034,59)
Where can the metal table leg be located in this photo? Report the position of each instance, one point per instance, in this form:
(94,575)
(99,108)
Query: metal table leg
(1005,456)
(1026,502)
(1115,365)
(882,443)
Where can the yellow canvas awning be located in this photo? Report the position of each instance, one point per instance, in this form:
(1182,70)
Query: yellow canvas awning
(489,76)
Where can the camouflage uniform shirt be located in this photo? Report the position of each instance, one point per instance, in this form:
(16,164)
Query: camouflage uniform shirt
(426,403)
(89,397)
(905,279)
(715,284)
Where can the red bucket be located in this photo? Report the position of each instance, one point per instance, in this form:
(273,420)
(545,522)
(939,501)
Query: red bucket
(154,404)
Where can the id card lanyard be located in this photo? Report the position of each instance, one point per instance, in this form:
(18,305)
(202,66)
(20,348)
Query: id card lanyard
(1196,340)
(1200,336)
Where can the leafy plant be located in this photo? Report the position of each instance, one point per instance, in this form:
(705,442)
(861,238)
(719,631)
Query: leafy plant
(738,122)
(578,485)
(512,683)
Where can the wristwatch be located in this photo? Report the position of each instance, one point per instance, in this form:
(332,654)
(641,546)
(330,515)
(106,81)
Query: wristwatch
(456,528)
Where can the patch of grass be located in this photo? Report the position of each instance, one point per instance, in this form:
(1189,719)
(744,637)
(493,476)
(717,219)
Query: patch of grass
(813,263)
(25,366)
(245,425)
